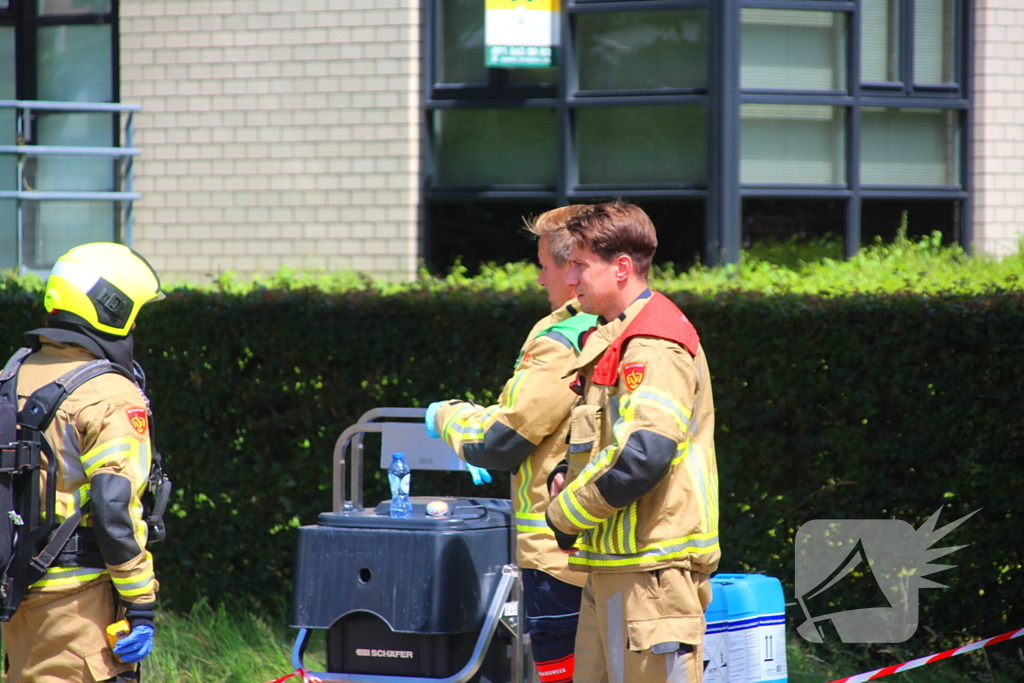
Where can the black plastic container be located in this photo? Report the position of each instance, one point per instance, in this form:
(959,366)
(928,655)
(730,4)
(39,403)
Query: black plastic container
(404,597)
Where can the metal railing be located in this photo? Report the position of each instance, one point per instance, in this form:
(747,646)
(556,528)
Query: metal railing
(25,113)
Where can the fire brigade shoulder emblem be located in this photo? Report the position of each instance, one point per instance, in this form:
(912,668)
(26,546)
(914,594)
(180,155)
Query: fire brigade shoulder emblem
(137,418)
(633,374)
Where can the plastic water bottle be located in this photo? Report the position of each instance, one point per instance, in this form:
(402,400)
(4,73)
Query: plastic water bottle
(399,476)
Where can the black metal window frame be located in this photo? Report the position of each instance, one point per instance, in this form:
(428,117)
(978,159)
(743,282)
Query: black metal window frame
(24,15)
(723,97)
(562,98)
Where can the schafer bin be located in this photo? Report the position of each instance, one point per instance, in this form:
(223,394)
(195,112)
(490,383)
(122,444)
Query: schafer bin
(413,599)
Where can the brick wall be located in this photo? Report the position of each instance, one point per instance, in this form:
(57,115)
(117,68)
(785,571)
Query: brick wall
(274,133)
(999,126)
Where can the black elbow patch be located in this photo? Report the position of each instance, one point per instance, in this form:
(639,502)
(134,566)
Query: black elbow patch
(502,449)
(111,518)
(643,462)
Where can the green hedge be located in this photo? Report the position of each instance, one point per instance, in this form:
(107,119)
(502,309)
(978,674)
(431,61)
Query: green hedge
(882,406)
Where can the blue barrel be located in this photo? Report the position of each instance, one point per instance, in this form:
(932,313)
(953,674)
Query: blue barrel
(716,637)
(751,607)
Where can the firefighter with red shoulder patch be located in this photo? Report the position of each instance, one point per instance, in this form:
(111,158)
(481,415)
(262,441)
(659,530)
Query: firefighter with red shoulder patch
(526,433)
(639,511)
(100,439)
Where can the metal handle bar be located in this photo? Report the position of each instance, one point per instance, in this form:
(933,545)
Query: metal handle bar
(367,424)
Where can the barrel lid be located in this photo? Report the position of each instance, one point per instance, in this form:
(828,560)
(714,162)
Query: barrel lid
(463,514)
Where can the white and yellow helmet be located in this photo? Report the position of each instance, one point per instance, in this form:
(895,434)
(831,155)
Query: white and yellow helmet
(103,285)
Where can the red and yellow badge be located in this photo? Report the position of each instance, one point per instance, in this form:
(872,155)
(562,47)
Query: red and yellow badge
(633,374)
(138,419)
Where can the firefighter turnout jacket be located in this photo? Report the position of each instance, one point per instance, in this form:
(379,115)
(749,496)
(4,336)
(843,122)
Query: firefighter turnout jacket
(100,436)
(526,431)
(642,482)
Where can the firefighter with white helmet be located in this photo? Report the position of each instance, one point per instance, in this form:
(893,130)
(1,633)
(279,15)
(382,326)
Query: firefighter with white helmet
(100,454)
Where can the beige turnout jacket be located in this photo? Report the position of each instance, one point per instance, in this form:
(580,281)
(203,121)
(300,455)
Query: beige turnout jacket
(526,432)
(643,482)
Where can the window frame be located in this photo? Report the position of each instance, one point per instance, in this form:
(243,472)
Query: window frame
(723,191)
(24,16)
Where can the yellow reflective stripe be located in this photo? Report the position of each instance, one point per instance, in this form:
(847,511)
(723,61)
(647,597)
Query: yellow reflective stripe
(456,427)
(526,475)
(145,461)
(107,452)
(134,585)
(65,576)
(696,467)
(533,522)
(660,400)
(630,532)
(67,504)
(517,385)
(617,534)
(577,516)
(570,504)
(682,451)
(694,544)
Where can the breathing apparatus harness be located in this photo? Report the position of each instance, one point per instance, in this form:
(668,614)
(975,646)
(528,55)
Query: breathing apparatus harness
(31,540)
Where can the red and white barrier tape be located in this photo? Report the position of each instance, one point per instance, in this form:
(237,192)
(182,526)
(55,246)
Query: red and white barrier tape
(921,661)
(304,677)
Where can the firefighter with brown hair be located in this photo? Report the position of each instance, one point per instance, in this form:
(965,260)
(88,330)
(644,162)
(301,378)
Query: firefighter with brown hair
(639,511)
(526,433)
(100,454)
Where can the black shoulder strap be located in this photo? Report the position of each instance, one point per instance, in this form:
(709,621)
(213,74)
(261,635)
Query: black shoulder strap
(43,403)
(9,390)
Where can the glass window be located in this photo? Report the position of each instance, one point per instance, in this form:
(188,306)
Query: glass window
(56,7)
(655,50)
(792,143)
(910,147)
(793,49)
(8,164)
(933,41)
(880,46)
(54,227)
(540,76)
(75,63)
(478,147)
(885,219)
(636,145)
(74,173)
(811,229)
(680,226)
(461,57)
(75,66)
(479,231)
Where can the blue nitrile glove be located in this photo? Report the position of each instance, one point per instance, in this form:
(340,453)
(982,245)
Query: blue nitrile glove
(479,474)
(430,419)
(135,646)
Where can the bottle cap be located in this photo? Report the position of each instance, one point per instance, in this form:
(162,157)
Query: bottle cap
(398,456)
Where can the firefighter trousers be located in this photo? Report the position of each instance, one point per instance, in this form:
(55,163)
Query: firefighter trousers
(61,637)
(642,627)
(552,612)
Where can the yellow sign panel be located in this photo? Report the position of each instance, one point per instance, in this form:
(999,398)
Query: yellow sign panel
(547,5)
